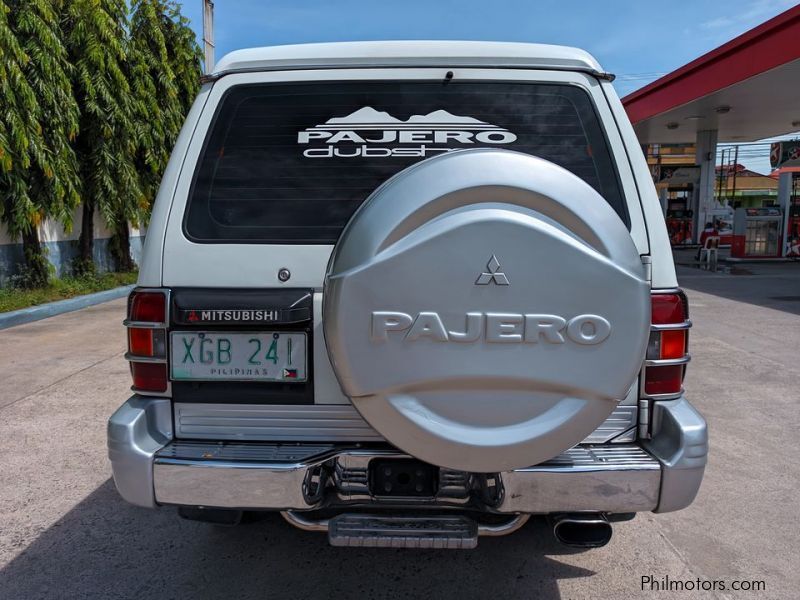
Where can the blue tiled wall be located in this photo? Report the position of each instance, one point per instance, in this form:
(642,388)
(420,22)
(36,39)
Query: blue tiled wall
(60,255)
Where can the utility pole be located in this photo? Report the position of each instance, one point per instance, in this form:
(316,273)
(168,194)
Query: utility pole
(735,171)
(208,35)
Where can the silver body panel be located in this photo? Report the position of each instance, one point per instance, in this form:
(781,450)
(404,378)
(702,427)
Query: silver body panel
(663,475)
(135,432)
(341,55)
(325,423)
(299,423)
(618,428)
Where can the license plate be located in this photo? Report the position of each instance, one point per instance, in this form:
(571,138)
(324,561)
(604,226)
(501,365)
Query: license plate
(227,356)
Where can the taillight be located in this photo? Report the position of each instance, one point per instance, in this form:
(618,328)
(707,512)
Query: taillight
(147,340)
(667,351)
(149,377)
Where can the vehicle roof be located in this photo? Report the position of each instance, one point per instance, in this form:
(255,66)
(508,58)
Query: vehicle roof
(408,54)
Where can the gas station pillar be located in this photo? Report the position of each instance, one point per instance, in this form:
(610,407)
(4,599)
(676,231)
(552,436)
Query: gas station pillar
(706,158)
(785,201)
(663,200)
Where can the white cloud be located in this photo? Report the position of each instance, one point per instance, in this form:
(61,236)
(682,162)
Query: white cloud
(758,10)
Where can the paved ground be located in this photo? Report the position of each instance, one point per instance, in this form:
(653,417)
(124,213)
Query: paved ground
(64,533)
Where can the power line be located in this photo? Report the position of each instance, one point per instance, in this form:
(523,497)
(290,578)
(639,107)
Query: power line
(638,76)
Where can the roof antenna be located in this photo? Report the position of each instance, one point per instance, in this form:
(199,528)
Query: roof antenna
(448,77)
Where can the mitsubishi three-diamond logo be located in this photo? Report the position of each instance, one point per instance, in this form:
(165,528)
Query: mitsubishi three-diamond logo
(494,275)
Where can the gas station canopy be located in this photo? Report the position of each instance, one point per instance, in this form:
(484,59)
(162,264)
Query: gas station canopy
(747,89)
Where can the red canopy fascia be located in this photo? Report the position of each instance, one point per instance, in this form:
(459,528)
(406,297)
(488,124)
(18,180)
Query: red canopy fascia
(765,47)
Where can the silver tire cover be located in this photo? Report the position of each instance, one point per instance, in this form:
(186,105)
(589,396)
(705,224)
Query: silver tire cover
(485,310)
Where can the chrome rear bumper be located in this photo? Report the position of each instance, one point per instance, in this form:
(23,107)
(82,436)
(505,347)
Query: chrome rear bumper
(151,470)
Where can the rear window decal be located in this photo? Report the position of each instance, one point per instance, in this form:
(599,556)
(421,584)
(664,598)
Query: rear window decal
(362,133)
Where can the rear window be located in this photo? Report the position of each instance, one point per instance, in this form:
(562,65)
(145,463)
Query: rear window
(289,163)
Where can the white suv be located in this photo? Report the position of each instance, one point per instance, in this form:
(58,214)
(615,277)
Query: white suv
(409,293)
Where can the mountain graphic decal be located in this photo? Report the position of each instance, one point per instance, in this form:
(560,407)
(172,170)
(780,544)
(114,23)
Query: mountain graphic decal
(364,115)
(369,118)
(376,134)
(442,116)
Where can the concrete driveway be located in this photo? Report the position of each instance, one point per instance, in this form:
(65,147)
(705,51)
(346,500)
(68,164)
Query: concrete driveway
(64,533)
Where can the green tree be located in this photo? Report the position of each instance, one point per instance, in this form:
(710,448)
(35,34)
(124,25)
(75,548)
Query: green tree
(18,127)
(41,118)
(154,89)
(17,100)
(95,33)
(164,61)
(185,57)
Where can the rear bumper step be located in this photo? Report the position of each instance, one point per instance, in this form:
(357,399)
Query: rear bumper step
(150,470)
(370,531)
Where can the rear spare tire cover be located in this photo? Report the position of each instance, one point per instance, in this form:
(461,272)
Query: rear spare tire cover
(485,310)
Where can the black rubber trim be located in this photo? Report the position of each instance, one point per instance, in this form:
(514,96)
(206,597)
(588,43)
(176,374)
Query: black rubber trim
(264,308)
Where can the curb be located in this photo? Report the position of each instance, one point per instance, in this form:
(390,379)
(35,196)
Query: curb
(755,261)
(51,309)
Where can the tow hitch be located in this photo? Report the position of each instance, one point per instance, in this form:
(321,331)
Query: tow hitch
(403,477)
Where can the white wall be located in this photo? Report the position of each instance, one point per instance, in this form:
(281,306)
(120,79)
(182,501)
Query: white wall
(53,231)
(61,246)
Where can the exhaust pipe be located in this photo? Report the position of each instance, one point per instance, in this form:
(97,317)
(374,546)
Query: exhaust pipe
(581,530)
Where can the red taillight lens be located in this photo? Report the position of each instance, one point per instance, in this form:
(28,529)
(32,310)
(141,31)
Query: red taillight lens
(140,341)
(667,350)
(149,377)
(148,306)
(147,335)
(146,342)
(664,380)
(673,343)
(668,308)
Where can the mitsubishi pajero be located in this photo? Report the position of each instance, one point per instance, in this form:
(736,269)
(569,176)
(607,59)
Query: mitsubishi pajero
(409,294)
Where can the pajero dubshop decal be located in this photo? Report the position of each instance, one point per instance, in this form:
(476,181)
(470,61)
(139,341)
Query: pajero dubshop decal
(371,133)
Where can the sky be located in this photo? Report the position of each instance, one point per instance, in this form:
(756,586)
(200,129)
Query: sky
(638,41)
